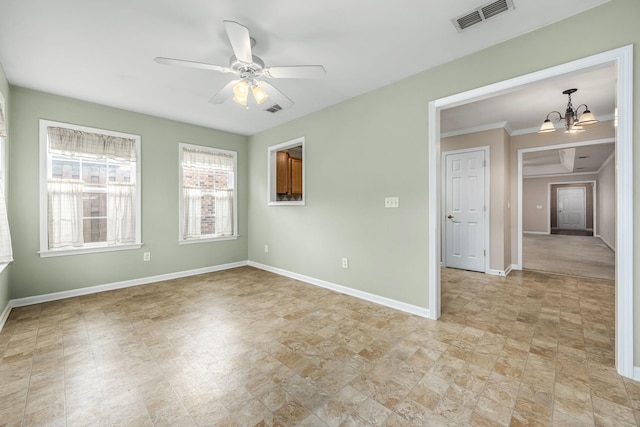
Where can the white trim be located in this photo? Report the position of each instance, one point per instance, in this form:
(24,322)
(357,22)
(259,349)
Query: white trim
(636,373)
(501,273)
(88,250)
(5,315)
(487,201)
(623,59)
(536,232)
(475,129)
(207,240)
(559,175)
(434,235)
(37,299)
(271,172)
(387,302)
(606,243)
(45,251)
(494,272)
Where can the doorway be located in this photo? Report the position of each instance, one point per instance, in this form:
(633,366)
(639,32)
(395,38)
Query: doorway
(621,58)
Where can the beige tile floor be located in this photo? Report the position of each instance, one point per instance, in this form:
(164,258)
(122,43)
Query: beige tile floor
(246,347)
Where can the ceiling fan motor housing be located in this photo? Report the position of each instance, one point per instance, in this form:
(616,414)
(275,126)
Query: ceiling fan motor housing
(246,70)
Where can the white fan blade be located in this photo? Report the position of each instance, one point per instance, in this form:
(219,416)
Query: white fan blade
(240,41)
(191,64)
(275,95)
(295,72)
(224,94)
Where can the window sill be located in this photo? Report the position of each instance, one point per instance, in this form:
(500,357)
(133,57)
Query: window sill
(207,240)
(287,203)
(80,251)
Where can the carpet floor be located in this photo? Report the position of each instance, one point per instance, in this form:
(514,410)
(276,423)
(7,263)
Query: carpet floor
(582,256)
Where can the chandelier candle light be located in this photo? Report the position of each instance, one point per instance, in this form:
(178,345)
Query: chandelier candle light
(573,121)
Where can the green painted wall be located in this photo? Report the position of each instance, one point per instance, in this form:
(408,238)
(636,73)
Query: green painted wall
(4,275)
(32,275)
(375,145)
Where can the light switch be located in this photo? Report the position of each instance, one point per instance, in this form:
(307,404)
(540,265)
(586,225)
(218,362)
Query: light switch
(539,206)
(391,202)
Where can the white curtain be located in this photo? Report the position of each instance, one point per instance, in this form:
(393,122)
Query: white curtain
(6,253)
(224,212)
(65,213)
(121,213)
(192,206)
(3,125)
(73,142)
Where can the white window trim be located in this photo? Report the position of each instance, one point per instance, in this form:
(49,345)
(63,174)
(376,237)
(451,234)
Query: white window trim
(206,239)
(271,173)
(45,252)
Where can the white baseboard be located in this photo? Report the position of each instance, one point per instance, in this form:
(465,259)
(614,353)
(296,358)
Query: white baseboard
(535,232)
(19,302)
(606,243)
(494,272)
(501,273)
(387,302)
(5,315)
(37,299)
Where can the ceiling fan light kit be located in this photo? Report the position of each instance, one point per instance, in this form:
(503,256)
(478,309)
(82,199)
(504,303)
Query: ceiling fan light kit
(573,121)
(250,71)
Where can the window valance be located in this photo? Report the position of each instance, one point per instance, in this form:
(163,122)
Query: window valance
(70,142)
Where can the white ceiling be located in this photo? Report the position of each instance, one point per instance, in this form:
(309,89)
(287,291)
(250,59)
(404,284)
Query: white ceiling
(524,109)
(577,160)
(103,51)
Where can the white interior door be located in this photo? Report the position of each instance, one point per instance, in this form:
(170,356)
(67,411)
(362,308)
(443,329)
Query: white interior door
(572,208)
(464,200)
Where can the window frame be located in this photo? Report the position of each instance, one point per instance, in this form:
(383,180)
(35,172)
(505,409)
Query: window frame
(207,238)
(44,166)
(272,199)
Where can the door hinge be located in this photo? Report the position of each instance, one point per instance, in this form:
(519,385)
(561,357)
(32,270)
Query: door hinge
(485,252)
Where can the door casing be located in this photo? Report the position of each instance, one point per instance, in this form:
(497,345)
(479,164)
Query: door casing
(622,59)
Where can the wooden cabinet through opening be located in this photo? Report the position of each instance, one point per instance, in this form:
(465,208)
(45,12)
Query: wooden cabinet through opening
(288,173)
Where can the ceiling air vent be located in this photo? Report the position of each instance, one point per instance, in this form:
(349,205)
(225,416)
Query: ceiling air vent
(482,13)
(274,109)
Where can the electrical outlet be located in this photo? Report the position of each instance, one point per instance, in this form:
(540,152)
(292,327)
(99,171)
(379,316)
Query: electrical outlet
(266,248)
(345,262)
(147,256)
(391,202)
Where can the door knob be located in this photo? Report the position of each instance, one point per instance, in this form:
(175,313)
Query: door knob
(450,216)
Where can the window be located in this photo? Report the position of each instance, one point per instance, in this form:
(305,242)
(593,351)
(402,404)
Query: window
(90,190)
(6,252)
(286,173)
(208,194)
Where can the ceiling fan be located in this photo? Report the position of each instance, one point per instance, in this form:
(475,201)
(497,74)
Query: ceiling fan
(250,71)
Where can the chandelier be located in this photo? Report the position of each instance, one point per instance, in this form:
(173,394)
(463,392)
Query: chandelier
(573,121)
